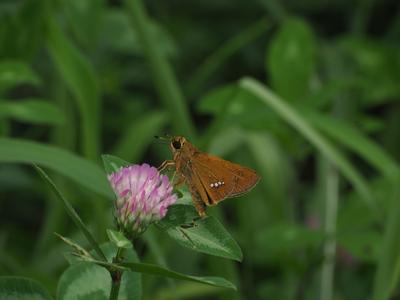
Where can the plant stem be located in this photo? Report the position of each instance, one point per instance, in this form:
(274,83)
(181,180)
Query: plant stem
(331,204)
(115,284)
(116,276)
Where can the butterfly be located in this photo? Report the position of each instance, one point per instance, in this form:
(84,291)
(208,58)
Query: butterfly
(210,179)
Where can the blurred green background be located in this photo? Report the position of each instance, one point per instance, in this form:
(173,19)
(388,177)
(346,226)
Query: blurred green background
(306,92)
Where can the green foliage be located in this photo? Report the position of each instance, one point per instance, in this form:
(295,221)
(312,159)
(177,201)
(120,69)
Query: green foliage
(205,235)
(157,270)
(80,78)
(72,213)
(67,164)
(86,280)
(306,93)
(14,73)
(32,111)
(291,59)
(20,288)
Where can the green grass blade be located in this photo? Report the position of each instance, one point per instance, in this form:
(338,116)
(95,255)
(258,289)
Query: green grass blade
(386,275)
(34,111)
(80,78)
(81,171)
(349,136)
(164,78)
(292,117)
(72,213)
(14,73)
(222,54)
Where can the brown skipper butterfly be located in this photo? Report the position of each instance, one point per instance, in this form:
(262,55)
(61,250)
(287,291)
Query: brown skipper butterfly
(209,178)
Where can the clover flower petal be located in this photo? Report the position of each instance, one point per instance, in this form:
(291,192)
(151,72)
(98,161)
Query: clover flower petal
(143,197)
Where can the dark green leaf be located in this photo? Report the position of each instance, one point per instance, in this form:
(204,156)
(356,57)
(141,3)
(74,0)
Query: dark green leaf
(14,73)
(215,101)
(377,68)
(222,54)
(164,78)
(32,111)
(74,167)
(85,20)
(19,288)
(84,281)
(281,240)
(80,78)
(291,59)
(362,245)
(348,135)
(89,281)
(205,235)
(387,272)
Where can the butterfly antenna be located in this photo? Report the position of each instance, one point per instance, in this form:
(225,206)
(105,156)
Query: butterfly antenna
(162,139)
(166,137)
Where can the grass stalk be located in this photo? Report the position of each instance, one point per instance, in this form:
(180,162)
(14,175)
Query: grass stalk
(166,83)
(329,247)
(222,54)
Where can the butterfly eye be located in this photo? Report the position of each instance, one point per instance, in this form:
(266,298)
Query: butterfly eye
(176,144)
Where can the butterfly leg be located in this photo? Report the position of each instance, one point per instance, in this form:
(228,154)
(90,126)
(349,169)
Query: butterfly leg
(166,164)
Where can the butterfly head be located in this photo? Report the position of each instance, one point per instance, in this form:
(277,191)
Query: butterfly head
(177,143)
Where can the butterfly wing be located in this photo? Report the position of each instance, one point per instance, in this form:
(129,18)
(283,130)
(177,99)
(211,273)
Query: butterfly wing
(221,179)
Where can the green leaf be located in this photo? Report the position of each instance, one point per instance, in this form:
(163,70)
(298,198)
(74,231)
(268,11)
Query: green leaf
(14,73)
(378,68)
(72,213)
(79,170)
(205,235)
(215,101)
(19,288)
(292,117)
(112,163)
(387,272)
(281,240)
(274,169)
(363,245)
(85,20)
(291,59)
(85,280)
(349,136)
(222,54)
(80,78)
(118,239)
(160,271)
(132,144)
(32,111)
(116,22)
(163,75)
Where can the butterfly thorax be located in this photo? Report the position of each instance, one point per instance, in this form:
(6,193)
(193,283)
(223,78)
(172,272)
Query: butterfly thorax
(183,158)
